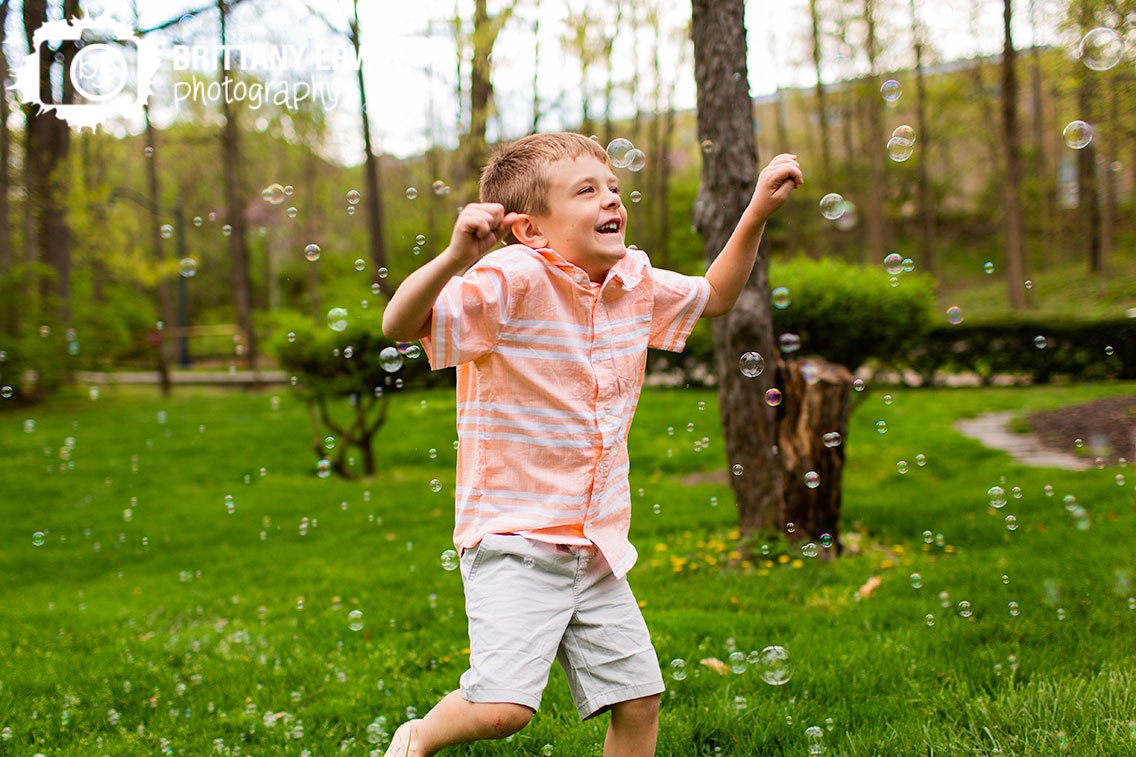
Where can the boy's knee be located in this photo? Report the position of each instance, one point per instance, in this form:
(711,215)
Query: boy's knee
(642,711)
(503,719)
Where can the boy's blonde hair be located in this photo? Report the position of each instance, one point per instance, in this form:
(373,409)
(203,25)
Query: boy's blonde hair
(516,175)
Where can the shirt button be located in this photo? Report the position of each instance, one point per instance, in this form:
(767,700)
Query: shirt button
(581,279)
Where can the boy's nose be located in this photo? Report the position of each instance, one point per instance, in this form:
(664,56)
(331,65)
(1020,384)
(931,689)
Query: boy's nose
(612,200)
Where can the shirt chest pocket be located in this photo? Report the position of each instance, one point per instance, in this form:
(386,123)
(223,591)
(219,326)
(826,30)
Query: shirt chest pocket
(628,334)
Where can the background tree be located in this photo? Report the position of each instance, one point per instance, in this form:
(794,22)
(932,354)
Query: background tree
(235,206)
(1012,178)
(48,141)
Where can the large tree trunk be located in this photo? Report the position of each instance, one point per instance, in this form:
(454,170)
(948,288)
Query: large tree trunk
(1049,220)
(819,404)
(729,170)
(372,167)
(48,141)
(1012,178)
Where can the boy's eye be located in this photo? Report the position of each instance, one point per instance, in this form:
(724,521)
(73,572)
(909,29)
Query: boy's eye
(584,189)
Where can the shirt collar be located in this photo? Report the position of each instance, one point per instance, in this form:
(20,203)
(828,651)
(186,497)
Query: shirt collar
(627,273)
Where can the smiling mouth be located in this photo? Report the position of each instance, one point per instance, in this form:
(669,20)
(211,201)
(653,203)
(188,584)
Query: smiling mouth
(611,227)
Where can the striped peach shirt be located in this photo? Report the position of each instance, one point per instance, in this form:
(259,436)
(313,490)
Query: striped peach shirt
(549,371)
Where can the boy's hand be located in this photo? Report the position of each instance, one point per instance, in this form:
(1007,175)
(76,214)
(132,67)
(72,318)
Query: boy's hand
(775,182)
(480,226)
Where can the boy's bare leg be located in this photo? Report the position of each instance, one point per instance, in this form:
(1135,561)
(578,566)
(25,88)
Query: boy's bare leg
(454,720)
(633,729)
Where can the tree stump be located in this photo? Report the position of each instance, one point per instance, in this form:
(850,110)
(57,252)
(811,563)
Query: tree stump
(816,402)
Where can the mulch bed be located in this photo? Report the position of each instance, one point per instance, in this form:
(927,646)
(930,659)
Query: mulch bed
(1107,427)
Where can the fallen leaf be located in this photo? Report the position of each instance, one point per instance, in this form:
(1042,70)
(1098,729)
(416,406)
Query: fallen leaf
(715,664)
(869,587)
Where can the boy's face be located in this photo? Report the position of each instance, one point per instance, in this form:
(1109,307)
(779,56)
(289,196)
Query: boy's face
(586,220)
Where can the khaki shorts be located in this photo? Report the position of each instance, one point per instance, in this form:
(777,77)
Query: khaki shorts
(529,602)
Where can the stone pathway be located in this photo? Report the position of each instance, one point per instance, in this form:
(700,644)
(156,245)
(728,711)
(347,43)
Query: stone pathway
(993,430)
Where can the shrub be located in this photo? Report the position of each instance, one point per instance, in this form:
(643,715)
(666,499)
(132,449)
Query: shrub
(847,313)
(331,366)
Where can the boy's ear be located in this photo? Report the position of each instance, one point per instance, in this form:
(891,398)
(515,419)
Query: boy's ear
(528,232)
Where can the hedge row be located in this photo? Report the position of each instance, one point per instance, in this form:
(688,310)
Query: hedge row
(1082,351)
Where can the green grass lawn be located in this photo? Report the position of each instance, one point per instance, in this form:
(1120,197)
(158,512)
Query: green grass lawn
(152,619)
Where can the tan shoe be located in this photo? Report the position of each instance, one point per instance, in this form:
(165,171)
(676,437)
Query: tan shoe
(400,742)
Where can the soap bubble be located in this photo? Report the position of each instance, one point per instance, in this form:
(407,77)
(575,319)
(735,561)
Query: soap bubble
(323,468)
(900,149)
(901,466)
(904,132)
(390,359)
(881,427)
(737,469)
(337,319)
(38,538)
(737,662)
(827,540)
(916,581)
(619,151)
(440,188)
(353,197)
(954,315)
(776,665)
(997,497)
(751,364)
(450,560)
(678,669)
(781,298)
(890,91)
(1011,522)
(893,263)
(812,479)
(636,160)
(1015,609)
(789,342)
(1039,342)
(773,397)
(964,609)
(360,264)
(355,620)
(832,206)
(832,439)
(1101,48)
(187,268)
(166,231)
(312,252)
(273,194)
(636,196)
(435,485)
(1078,134)
(411,193)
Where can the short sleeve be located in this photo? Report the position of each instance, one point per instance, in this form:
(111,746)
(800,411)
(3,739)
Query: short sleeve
(467,316)
(678,303)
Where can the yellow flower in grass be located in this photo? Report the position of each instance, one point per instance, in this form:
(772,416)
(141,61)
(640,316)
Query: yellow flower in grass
(798,564)
(763,572)
(735,555)
(949,548)
(885,564)
(767,564)
(782,559)
(660,547)
(898,549)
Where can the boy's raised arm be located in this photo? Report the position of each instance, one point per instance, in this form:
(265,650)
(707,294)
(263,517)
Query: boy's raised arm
(731,269)
(480,226)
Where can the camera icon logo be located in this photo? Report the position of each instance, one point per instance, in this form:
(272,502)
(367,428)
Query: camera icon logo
(87,71)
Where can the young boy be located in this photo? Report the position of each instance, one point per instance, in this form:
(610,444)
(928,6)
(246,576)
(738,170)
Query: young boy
(550,336)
